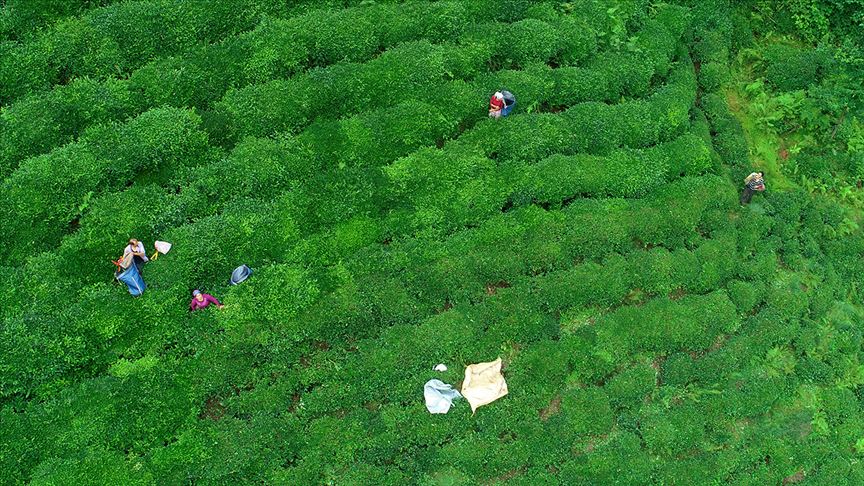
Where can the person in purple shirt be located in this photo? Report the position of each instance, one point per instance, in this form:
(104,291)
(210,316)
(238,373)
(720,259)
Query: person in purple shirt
(200,301)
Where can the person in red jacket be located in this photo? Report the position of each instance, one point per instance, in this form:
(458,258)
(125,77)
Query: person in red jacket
(200,301)
(496,104)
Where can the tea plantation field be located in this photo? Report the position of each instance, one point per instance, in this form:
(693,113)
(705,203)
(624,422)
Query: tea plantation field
(653,330)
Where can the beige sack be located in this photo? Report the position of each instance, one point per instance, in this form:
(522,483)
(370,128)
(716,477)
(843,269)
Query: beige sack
(483,384)
(126,261)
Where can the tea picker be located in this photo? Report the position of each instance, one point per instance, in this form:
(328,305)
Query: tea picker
(201,300)
(752,183)
(501,104)
(134,253)
(129,267)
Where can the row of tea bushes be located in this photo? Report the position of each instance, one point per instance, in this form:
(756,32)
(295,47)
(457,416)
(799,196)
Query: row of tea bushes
(201,76)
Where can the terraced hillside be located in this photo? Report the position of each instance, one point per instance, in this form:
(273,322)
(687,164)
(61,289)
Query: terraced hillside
(652,330)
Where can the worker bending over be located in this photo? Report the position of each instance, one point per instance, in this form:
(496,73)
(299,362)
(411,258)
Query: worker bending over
(496,105)
(134,253)
(752,183)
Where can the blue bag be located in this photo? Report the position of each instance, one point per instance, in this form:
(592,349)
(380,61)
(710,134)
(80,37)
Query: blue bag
(133,280)
(509,103)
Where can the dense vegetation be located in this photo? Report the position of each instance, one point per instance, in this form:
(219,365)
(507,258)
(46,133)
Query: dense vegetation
(653,331)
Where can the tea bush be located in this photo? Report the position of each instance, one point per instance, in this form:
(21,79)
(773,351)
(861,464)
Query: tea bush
(651,329)
(119,37)
(369,145)
(788,68)
(34,125)
(200,76)
(151,146)
(635,172)
(412,70)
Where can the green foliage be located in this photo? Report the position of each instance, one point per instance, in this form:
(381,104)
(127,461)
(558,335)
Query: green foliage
(630,387)
(202,75)
(151,147)
(789,68)
(410,71)
(729,141)
(30,127)
(622,173)
(274,297)
(119,38)
(814,20)
(91,466)
(651,329)
(713,76)
(662,325)
(586,411)
(343,89)
(745,295)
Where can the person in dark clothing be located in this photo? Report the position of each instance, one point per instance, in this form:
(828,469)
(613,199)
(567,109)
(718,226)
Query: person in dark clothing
(753,183)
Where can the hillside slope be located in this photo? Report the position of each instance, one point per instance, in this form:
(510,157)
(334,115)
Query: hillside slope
(652,329)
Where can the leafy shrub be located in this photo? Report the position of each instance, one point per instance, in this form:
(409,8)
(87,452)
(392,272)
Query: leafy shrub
(209,249)
(713,75)
(21,18)
(576,39)
(624,73)
(410,71)
(340,90)
(745,295)
(692,326)
(713,46)
(634,172)
(789,68)
(587,411)
(35,124)
(729,139)
(121,37)
(674,432)
(604,463)
(199,77)
(530,40)
(630,387)
(99,465)
(150,146)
